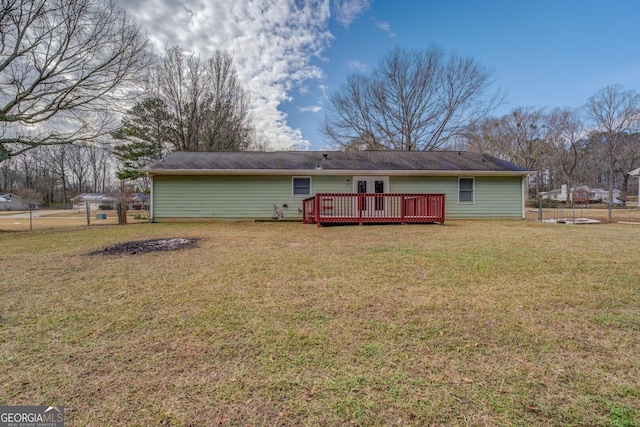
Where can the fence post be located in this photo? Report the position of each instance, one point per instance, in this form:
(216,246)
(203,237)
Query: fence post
(539,208)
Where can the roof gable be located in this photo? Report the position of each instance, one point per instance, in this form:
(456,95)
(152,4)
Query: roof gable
(11,196)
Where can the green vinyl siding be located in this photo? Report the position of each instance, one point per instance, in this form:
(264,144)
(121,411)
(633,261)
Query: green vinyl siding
(234,197)
(495,197)
(252,197)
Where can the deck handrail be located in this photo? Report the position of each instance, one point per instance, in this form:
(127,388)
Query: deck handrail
(362,208)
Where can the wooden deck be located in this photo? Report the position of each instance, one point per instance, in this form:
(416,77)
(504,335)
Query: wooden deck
(360,208)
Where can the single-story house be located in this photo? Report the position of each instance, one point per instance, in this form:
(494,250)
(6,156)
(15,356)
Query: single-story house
(602,194)
(580,194)
(94,200)
(555,194)
(4,204)
(252,185)
(13,202)
(97,201)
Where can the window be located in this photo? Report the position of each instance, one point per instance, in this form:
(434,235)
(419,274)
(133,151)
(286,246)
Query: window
(465,190)
(301,186)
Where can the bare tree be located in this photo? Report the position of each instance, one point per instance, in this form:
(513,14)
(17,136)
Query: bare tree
(519,137)
(9,176)
(614,112)
(100,160)
(207,107)
(64,65)
(415,100)
(566,139)
(35,175)
(627,159)
(59,166)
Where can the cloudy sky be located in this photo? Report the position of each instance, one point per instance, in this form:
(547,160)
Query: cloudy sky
(292,54)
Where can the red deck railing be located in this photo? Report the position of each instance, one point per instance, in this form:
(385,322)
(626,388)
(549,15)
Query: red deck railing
(360,208)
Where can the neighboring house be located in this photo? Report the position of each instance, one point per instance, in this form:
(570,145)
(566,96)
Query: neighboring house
(94,200)
(580,194)
(636,173)
(237,185)
(601,194)
(4,204)
(140,201)
(98,200)
(13,202)
(558,194)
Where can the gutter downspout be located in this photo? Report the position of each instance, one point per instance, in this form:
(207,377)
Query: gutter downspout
(525,179)
(151,194)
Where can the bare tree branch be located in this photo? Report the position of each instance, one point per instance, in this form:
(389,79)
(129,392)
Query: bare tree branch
(414,100)
(615,112)
(208,108)
(64,67)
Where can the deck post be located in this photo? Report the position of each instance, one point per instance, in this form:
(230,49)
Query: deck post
(316,209)
(304,212)
(402,209)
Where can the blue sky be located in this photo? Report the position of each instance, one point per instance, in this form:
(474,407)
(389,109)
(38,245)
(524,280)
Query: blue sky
(293,54)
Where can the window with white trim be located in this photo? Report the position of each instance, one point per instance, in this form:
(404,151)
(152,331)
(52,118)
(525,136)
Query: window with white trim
(466,190)
(301,186)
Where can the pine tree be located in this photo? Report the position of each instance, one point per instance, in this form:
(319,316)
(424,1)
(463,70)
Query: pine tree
(144,127)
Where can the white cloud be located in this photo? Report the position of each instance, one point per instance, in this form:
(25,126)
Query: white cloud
(346,11)
(272,43)
(384,26)
(311,109)
(356,65)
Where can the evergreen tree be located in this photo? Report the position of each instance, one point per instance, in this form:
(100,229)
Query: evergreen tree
(144,129)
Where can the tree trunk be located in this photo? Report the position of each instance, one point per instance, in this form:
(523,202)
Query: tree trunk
(122,213)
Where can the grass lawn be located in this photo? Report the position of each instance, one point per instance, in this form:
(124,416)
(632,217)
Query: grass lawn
(471,323)
(46,220)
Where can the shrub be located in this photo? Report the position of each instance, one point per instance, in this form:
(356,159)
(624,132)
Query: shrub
(546,203)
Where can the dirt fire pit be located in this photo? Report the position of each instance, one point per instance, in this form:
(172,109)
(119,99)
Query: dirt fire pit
(145,246)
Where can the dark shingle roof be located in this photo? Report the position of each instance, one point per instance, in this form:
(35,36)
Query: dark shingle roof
(334,161)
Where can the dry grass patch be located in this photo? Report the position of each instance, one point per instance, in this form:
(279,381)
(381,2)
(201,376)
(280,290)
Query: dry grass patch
(471,323)
(627,214)
(43,220)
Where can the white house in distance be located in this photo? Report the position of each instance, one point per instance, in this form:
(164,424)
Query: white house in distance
(96,200)
(636,173)
(581,194)
(4,204)
(13,202)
